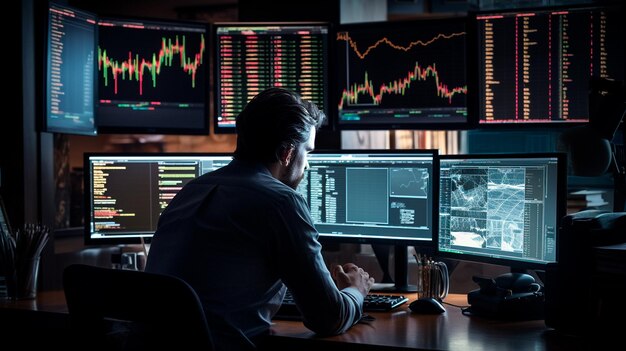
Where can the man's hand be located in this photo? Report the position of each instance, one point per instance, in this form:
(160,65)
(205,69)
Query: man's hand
(351,275)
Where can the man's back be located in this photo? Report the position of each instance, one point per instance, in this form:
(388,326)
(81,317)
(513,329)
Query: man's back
(216,235)
(241,234)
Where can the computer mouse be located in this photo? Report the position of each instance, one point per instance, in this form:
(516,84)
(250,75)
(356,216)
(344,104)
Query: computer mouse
(427,305)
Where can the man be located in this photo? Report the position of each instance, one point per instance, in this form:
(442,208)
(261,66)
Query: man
(242,233)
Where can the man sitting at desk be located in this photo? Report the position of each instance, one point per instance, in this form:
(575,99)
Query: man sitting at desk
(241,234)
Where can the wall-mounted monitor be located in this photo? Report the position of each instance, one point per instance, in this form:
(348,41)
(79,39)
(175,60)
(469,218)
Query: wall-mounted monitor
(250,57)
(375,197)
(152,76)
(502,209)
(402,75)
(126,193)
(535,65)
(69,70)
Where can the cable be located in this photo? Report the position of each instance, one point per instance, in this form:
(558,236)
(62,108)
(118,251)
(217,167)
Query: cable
(453,305)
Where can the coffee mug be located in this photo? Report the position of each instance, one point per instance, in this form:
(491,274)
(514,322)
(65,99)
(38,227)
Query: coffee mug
(433,280)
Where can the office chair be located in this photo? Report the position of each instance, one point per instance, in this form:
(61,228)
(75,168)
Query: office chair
(114,309)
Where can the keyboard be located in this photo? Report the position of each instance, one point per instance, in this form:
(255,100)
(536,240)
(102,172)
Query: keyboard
(383,303)
(372,303)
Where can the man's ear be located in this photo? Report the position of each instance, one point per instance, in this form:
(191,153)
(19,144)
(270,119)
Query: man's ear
(287,155)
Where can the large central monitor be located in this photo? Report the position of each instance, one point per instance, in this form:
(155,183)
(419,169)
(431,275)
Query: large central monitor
(126,193)
(502,209)
(374,197)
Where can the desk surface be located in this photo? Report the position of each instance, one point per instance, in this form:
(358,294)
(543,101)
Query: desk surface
(448,331)
(46,301)
(395,330)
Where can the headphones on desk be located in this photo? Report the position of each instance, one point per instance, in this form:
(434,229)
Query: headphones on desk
(505,286)
(510,296)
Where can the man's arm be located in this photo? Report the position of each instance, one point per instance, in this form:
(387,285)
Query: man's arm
(327,308)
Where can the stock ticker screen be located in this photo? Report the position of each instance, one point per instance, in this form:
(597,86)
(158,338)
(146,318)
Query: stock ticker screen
(535,66)
(250,57)
(70,71)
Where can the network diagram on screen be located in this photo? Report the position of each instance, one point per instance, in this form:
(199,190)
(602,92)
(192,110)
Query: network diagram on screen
(504,208)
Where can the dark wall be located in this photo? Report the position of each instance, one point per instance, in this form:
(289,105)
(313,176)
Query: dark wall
(305,10)
(11,145)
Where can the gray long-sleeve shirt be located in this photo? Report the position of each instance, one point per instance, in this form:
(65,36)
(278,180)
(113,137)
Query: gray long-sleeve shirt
(236,235)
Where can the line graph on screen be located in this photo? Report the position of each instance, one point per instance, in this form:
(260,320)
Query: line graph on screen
(414,72)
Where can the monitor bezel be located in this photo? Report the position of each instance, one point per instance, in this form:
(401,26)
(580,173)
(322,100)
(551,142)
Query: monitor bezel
(178,128)
(46,115)
(217,129)
(423,245)
(470,120)
(473,60)
(561,208)
(87,208)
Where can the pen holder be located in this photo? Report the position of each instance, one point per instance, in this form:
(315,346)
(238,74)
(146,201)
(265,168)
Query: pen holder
(20,254)
(433,280)
(27,272)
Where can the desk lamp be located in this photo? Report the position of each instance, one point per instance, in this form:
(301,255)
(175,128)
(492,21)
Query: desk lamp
(590,148)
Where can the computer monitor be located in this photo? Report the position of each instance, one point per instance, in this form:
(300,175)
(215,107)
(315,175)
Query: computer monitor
(534,66)
(152,76)
(250,57)
(126,193)
(502,209)
(402,75)
(375,197)
(69,71)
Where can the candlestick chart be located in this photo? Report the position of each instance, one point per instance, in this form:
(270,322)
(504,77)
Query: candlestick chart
(152,75)
(150,62)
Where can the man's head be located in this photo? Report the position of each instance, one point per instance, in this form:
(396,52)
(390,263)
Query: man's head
(277,127)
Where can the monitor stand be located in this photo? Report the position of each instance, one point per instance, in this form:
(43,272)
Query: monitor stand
(382,256)
(401,271)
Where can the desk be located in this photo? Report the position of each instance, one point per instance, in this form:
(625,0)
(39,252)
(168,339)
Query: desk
(42,322)
(451,330)
(46,301)
(396,330)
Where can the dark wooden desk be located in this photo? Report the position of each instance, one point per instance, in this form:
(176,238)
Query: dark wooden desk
(41,322)
(396,330)
(46,301)
(451,330)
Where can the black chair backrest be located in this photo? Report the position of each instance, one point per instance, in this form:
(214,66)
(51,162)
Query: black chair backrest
(123,309)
